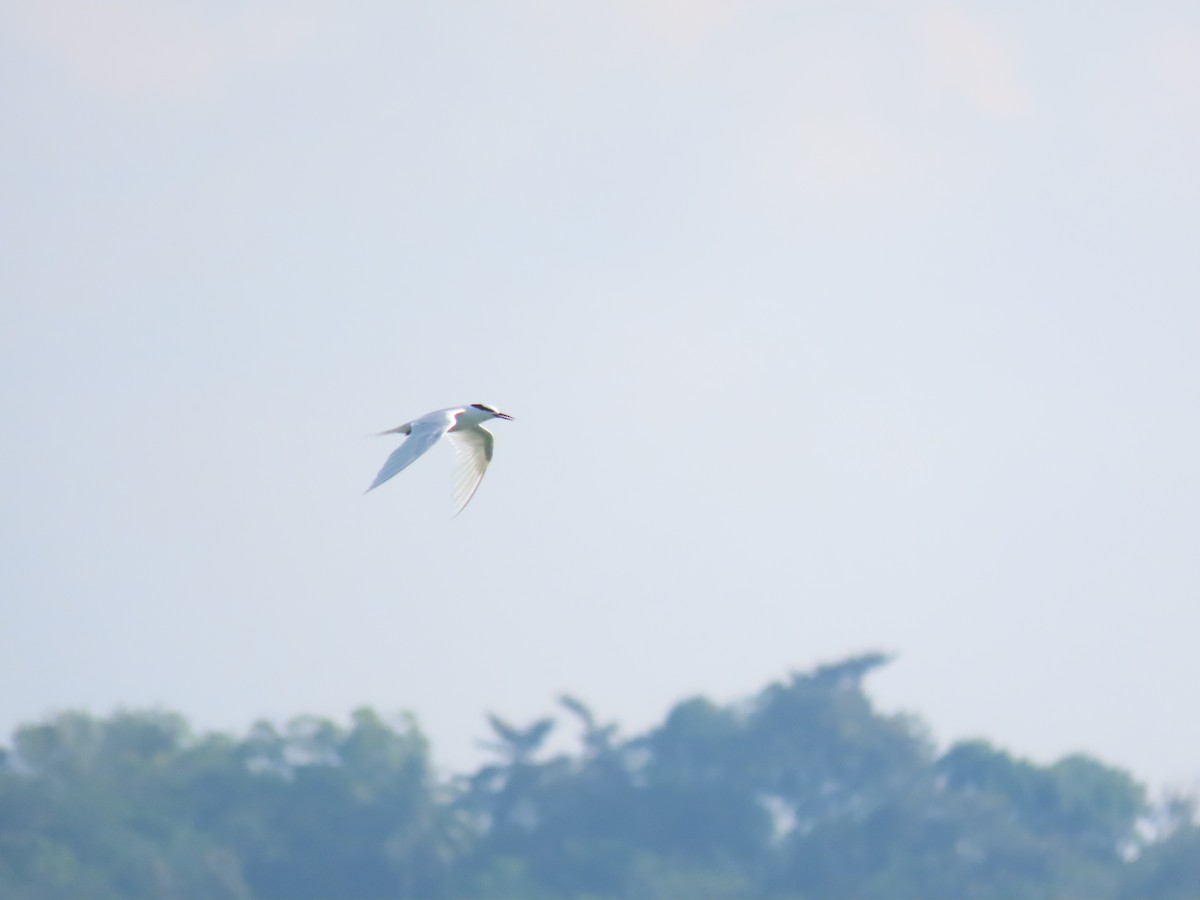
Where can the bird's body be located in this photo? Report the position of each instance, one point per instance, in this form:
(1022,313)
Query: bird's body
(472,443)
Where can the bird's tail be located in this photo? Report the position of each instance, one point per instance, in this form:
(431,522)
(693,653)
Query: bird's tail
(406,428)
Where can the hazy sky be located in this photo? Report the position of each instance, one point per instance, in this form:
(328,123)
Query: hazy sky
(827,326)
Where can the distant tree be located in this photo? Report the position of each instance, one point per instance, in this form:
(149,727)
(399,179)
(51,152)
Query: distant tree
(344,813)
(803,790)
(136,807)
(503,793)
(518,746)
(554,827)
(1064,828)
(701,795)
(822,750)
(852,789)
(1168,868)
(597,738)
(87,809)
(1093,807)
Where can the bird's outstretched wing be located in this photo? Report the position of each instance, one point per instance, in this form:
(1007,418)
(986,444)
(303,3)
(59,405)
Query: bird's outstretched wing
(473,447)
(425,433)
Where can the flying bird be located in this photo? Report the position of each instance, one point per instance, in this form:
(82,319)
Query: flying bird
(471,441)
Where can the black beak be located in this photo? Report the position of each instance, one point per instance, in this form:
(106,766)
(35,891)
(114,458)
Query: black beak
(501,415)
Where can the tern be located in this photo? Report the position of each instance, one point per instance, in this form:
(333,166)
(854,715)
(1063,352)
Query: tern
(471,441)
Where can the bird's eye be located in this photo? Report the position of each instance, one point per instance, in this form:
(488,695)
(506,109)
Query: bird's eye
(484,408)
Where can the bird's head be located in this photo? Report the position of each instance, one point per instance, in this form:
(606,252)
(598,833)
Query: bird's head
(491,411)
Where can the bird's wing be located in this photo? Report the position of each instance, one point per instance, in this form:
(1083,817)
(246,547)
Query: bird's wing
(425,433)
(473,446)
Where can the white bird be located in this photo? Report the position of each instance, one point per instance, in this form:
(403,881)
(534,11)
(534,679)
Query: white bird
(471,441)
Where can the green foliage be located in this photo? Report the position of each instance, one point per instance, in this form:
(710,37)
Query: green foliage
(804,790)
(135,806)
(1168,869)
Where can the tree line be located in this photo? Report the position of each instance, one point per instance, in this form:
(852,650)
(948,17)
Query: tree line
(802,792)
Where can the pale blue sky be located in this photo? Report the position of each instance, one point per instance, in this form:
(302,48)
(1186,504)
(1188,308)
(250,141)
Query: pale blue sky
(827,327)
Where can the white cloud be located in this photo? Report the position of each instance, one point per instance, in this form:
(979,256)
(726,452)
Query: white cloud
(1175,62)
(976,60)
(156,52)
